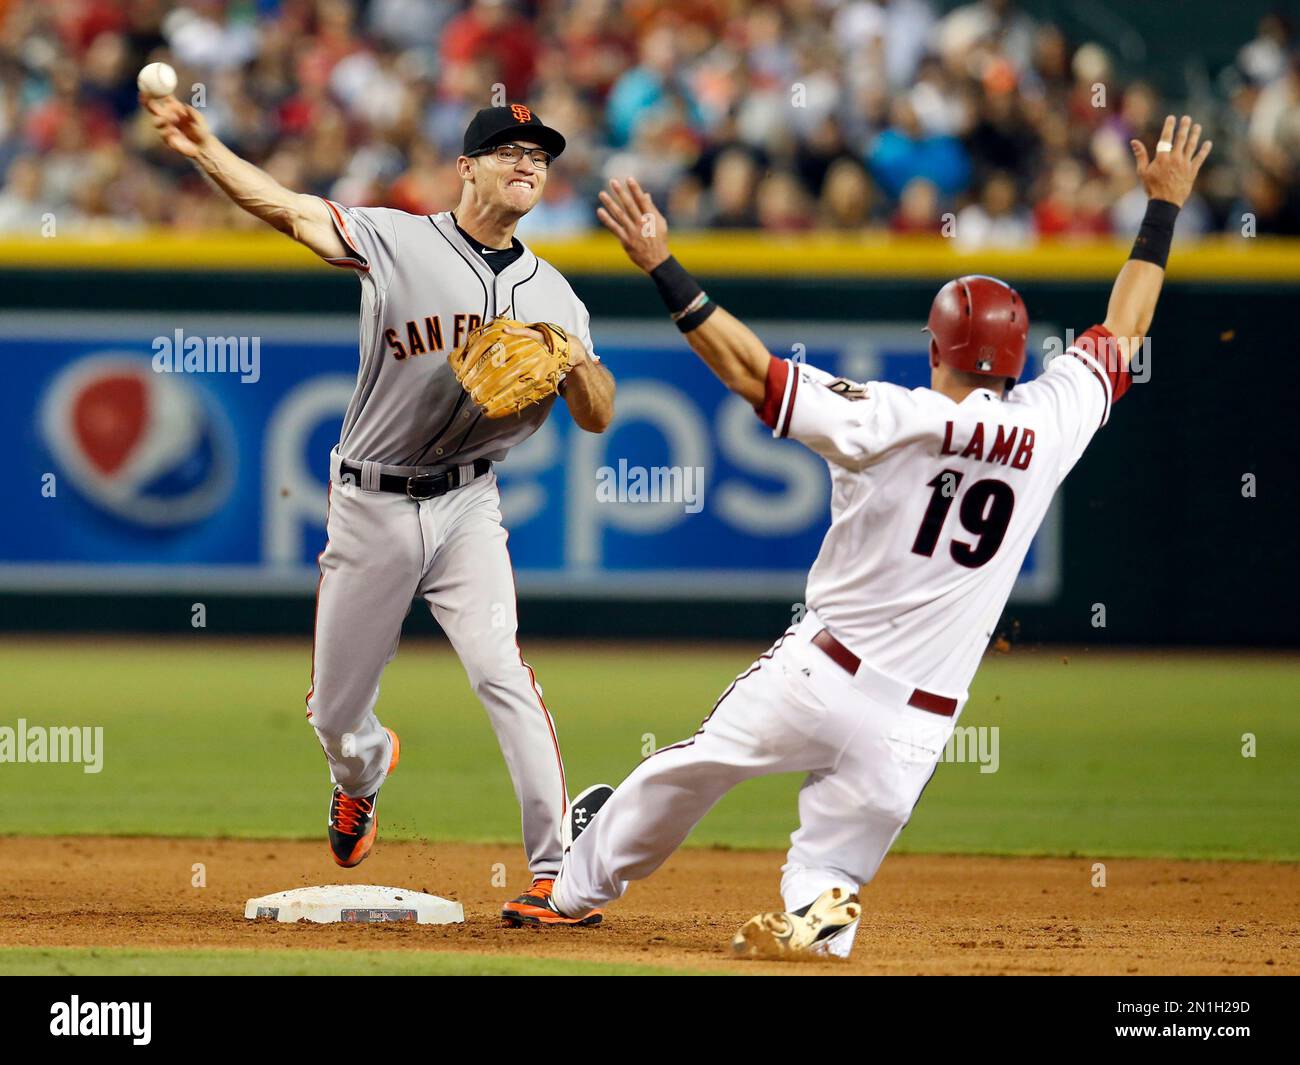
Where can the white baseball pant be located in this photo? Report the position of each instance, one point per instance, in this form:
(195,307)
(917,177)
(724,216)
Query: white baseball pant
(383,551)
(867,753)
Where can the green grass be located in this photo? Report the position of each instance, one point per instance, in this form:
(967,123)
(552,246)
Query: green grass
(1119,755)
(91,961)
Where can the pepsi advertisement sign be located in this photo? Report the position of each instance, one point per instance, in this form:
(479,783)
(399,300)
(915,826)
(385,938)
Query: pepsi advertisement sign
(166,452)
(153,450)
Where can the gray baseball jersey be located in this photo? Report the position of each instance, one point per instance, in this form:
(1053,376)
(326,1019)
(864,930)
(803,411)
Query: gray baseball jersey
(423,288)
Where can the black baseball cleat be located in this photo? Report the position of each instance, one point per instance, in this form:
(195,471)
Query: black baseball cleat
(581,810)
(536,907)
(353,824)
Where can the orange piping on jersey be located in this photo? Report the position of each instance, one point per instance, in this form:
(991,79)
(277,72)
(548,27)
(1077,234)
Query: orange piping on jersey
(359,262)
(349,264)
(532,680)
(550,725)
(315,618)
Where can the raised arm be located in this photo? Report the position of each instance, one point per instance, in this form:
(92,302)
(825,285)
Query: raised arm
(726,344)
(1168,179)
(303,217)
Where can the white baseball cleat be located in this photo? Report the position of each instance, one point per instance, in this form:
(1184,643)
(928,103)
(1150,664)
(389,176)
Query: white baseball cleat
(808,931)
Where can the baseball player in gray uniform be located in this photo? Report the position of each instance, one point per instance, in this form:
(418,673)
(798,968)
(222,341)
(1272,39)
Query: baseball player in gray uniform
(414,509)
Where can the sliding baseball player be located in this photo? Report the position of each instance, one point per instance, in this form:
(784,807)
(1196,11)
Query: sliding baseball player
(936,495)
(414,509)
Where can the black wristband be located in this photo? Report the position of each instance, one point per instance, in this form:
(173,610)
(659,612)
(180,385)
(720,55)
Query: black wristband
(695,316)
(676,286)
(688,304)
(1156,233)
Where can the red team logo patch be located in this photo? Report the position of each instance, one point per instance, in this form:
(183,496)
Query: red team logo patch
(521,113)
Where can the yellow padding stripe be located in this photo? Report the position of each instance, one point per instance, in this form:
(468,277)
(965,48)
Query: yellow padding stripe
(740,255)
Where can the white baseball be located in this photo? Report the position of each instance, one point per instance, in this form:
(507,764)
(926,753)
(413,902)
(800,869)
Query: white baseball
(157,79)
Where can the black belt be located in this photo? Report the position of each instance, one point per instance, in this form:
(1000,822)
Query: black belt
(422,486)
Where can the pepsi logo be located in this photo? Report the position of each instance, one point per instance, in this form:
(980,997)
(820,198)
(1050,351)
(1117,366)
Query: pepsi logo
(144,446)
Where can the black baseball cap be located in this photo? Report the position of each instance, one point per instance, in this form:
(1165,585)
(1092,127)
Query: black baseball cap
(514,122)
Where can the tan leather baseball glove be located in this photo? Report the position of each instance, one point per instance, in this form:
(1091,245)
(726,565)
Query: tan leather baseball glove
(503,373)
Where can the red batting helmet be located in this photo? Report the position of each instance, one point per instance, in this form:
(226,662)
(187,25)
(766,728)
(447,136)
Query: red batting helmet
(979,324)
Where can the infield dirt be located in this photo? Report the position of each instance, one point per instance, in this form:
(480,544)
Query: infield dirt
(923,914)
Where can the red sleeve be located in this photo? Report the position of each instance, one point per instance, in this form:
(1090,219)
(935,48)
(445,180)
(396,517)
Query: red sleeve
(778,372)
(1098,350)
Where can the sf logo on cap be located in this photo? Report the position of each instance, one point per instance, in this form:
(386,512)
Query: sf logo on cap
(521,113)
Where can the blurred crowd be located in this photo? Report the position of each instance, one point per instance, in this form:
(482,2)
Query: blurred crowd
(902,116)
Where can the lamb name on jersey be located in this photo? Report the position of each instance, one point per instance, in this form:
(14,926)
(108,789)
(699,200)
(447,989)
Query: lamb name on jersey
(934,503)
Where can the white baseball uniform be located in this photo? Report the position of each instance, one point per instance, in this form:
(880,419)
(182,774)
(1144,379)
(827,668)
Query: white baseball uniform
(933,506)
(424,285)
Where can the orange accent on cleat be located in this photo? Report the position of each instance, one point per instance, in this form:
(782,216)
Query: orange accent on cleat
(359,853)
(350,817)
(534,907)
(397,750)
(351,814)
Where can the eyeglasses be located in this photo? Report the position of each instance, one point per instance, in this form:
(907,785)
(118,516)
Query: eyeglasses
(512,153)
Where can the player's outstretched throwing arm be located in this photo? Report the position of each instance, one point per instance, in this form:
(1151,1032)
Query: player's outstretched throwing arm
(725,343)
(301,216)
(1168,180)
